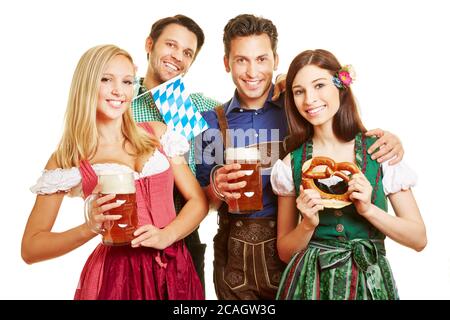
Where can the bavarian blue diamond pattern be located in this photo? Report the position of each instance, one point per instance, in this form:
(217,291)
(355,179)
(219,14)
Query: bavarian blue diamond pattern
(175,105)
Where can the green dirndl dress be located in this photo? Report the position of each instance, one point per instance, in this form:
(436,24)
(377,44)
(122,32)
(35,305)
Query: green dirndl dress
(345,258)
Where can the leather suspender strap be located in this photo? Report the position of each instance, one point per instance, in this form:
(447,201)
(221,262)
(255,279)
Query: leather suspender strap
(223,125)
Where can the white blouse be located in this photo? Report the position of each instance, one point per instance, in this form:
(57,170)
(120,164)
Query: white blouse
(395,178)
(69,180)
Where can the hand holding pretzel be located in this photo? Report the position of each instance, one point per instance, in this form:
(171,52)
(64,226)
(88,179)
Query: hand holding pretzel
(360,191)
(309,203)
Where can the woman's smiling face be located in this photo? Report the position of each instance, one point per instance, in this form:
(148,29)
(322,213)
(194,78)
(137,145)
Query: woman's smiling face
(315,95)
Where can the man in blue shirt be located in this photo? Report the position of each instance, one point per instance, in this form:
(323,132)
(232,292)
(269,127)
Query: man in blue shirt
(246,263)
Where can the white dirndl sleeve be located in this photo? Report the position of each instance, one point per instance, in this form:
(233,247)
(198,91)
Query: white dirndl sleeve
(281,179)
(397,177)
(174,144)
(52,181)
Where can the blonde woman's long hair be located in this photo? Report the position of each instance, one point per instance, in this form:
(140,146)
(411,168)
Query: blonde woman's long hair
(80,136)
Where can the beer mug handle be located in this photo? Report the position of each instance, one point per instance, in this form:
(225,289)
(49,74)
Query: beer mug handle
(87,217)
(212,182)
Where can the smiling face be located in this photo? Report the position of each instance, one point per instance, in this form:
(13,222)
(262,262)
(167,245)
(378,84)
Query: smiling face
(116,88)
(251,62)
(315,95)
(171,54)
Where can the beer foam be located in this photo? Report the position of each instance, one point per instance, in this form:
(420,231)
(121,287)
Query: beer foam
(117,183)
(241,154)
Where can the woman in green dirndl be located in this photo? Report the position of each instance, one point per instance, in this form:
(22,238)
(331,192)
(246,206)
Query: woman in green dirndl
(335,251)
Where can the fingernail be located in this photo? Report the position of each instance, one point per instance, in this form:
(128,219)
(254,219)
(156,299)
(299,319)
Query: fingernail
(372,157)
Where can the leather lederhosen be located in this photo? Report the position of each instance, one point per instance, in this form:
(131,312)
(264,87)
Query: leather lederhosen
(246,262)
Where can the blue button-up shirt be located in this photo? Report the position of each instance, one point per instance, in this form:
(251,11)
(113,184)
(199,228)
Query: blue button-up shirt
(248,127)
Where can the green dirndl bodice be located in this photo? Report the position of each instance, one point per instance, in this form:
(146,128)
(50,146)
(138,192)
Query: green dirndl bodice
(345,258)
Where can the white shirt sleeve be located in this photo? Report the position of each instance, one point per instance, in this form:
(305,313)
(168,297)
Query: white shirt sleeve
(397,177)
(56,180)
(174,144)
(281,179)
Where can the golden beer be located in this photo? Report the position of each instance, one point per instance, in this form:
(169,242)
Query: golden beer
(120,232)
(251,195)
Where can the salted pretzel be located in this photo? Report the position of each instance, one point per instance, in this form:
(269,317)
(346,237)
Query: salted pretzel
(311,172)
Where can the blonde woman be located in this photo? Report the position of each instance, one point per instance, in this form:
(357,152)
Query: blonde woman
(101,136)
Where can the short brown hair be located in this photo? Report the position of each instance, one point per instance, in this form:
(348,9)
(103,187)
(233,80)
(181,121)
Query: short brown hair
(159,26)
(346,122)
(245,25)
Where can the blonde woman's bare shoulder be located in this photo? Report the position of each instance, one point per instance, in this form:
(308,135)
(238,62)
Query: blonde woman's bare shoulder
(159,127)
(52,163)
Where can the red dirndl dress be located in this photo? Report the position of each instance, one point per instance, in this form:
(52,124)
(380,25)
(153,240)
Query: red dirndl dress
(126,273)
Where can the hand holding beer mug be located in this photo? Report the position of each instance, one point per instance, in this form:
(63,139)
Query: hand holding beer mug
(239,181)
(113,212)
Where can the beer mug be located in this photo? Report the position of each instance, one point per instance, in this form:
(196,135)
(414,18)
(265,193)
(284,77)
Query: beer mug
(251,194)
(118,232)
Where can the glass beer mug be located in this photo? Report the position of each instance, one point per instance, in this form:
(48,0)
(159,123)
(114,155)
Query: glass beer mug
(251,194)
(118,232)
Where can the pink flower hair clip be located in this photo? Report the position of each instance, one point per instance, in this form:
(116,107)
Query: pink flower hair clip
(344,77)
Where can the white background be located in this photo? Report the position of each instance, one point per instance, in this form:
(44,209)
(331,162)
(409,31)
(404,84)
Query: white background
(399,49)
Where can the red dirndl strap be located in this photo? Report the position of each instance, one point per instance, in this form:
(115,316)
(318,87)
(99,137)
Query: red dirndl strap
(89,178)
(147,127)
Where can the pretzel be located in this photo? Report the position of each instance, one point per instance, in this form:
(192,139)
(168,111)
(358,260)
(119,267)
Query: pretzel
(309,175)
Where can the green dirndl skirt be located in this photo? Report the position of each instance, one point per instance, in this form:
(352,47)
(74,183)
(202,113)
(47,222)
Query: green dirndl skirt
(337,270)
